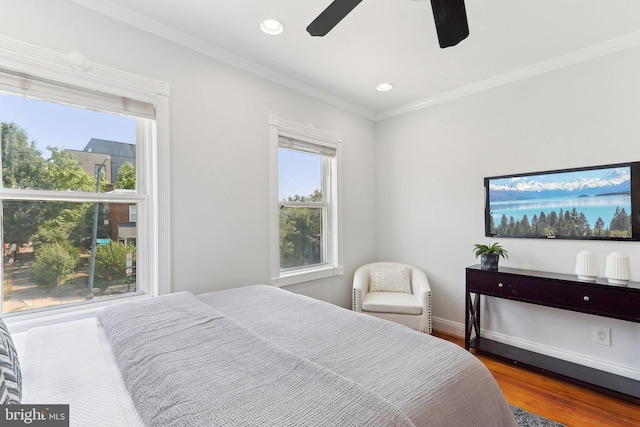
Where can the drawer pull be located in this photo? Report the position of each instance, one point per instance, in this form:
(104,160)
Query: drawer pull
(586,298)
(500,285)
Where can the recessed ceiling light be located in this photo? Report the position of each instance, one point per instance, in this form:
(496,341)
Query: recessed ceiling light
(272,26)
(383,87)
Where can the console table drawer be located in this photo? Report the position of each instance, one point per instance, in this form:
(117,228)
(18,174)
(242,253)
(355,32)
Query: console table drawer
(503,285)
(604,302)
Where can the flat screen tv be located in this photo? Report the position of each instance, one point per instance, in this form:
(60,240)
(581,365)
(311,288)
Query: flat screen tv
(596,203)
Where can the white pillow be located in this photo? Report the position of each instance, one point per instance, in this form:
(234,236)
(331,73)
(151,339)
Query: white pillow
(390,278)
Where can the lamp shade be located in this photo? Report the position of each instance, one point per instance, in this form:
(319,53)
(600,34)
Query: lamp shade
(587,266)
(617,268)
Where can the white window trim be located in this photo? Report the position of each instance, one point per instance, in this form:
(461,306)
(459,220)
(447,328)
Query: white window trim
(74,69)
(306,133)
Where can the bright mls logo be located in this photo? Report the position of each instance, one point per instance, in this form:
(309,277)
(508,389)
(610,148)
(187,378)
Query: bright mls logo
(35,415)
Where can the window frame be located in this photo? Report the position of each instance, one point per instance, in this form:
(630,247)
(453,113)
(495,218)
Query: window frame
(76,72)
(332,212)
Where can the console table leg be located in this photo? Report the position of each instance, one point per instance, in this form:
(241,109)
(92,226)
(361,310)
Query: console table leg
(472,321)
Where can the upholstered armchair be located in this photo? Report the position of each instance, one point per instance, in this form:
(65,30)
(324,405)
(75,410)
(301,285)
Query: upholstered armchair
(394,291)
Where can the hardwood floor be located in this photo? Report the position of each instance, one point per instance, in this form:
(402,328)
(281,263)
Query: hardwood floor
(569,404)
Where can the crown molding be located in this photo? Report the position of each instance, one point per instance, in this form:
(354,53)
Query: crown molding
(141,22)
(146,24)
(587,54)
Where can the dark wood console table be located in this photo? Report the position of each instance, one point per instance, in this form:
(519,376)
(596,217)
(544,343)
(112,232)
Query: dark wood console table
(562,291)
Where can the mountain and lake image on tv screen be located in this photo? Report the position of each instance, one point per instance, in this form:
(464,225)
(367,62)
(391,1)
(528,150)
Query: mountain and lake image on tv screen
(589,203)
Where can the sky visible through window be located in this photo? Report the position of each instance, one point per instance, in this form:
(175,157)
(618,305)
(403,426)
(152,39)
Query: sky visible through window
(300,173)
(56,125)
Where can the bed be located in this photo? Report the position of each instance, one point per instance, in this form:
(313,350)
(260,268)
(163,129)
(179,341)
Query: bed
(250,356)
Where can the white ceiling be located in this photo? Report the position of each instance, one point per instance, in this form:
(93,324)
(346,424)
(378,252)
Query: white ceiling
(389,41)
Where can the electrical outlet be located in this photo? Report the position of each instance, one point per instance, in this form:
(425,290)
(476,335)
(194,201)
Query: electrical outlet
(602,335)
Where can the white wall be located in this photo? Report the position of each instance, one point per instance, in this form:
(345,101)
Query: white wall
(219,141)
(430,169)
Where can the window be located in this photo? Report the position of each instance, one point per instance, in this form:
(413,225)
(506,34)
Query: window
(133,213)
(54,216)
(77,227)
(305,187)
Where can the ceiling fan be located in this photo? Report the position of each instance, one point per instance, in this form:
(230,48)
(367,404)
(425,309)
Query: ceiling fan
(450,17)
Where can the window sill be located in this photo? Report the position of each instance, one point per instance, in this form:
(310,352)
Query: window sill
(307,274)
(22,322)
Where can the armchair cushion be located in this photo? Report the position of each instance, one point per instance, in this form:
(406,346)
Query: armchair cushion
(391,302)
(390,278)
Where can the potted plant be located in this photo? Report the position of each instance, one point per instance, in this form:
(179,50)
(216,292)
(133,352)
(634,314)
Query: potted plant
(490,255)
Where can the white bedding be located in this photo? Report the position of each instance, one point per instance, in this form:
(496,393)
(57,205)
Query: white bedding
(72,363)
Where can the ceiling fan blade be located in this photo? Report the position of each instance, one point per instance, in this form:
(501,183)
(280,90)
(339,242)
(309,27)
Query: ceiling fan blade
(330,17)
(451,21)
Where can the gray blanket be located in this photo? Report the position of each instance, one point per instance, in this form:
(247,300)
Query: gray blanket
(434,382)
(188,364)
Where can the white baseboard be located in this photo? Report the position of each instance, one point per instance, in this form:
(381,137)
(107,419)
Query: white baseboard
(448,327)
(457,329)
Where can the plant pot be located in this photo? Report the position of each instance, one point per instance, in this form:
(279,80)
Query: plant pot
(489,261)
